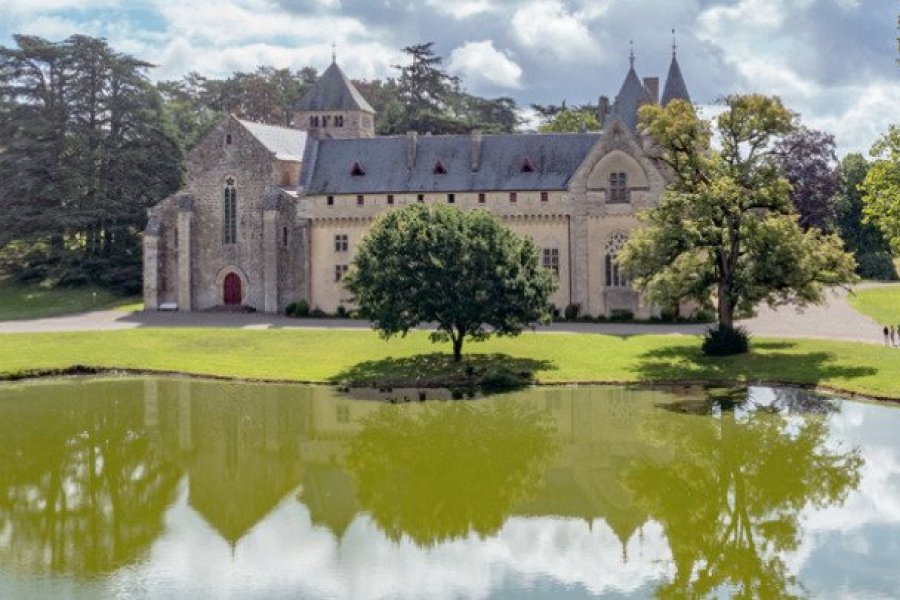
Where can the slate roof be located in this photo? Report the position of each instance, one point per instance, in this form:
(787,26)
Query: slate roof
(285,143)
(632,95)
(675,88)
(333,91)
(555,158)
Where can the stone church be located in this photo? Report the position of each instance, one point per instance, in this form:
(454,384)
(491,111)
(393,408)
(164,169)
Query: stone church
(272,215)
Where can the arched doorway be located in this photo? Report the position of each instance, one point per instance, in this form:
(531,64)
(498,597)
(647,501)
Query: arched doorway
(232,290)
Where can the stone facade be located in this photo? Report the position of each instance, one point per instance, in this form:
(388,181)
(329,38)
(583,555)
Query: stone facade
(301,202)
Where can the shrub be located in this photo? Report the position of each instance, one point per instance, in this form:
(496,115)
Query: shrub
(621,314)
(876,265)
(572,311)
(317,313)
(500,379)
(704,315)
(298,309)
(341,311)
(726,341)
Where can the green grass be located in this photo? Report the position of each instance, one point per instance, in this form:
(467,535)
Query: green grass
(880,303)
(333,355)
(18,301)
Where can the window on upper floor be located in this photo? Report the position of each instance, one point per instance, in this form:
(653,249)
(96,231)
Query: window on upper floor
(550,259)
(390,199)
(229,222)
(545,196)
(228,139)
(284,237)
(420,198)
(482,198)
(618,188)
(451,198)
(339,121)
(330,200)
(340,271)
(314,121)
(513,197)
(360,200)
(341,242)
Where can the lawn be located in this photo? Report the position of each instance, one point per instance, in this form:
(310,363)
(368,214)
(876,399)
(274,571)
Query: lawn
(18,301)
(880,303)
(336,355)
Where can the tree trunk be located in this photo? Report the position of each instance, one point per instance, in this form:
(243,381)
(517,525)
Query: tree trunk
(726,308)
(457,348)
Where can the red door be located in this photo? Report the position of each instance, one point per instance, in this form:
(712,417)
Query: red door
(232,290)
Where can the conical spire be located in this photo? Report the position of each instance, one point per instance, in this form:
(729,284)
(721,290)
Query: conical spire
(334,92)
(631,96)
(675,88)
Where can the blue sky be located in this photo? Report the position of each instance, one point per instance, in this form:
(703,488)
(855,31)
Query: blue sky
(833,61)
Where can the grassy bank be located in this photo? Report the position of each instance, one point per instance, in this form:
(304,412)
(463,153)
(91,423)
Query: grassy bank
(880,303)
(331,356)
(19,301)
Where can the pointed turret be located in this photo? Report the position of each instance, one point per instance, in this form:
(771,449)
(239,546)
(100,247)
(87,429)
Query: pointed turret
(631,97)
(333,107)
(675,87)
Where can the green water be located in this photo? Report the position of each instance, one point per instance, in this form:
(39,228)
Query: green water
(172,488)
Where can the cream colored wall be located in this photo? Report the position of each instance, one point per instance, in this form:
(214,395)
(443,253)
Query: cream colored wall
(545,222)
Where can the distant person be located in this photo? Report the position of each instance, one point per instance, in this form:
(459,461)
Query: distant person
(887,334)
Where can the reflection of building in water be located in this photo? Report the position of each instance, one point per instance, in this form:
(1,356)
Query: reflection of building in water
(244,456)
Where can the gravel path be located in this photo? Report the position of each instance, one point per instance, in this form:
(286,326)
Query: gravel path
(835,319)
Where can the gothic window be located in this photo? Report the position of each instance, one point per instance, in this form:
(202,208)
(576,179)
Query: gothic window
(614,278)
(550,259)
(618,188)
(340,271)
(230,213)
(341,242)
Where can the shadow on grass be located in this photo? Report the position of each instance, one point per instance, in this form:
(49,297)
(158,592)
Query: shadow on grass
(488,373)
(764,363)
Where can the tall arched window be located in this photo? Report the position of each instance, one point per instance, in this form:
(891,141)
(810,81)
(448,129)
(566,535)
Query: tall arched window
(229,235)
(614,278)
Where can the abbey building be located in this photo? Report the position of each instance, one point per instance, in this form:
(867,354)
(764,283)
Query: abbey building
(272,215)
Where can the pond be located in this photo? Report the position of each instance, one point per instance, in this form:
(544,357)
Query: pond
(179,488)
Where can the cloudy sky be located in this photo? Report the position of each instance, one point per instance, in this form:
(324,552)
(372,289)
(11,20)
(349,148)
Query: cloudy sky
(833,61)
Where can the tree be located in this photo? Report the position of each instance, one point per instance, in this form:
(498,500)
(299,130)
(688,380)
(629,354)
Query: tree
(808,161)
(725,227)
(463,271)
(86,151)
(881,187)
(571,121)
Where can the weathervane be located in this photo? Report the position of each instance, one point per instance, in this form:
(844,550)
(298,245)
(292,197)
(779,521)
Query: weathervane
(631,53)
(333,52)
(674,42)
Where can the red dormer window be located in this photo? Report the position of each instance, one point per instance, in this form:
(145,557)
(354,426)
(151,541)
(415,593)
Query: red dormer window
(439,168)
(527,165)
(357,170)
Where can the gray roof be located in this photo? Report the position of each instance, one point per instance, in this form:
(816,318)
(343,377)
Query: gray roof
(675,88)
(333,91)
(554,157)
(630,98)
(285,143)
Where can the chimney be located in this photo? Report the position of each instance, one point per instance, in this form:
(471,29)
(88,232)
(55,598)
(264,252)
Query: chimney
(412,139)
(476,139)
(651,84)
(602,109)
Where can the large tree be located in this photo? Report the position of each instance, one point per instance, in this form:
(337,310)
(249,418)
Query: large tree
(808,161)
(571,121)
(463,271)
(85,151)
(725,228)
(881,188)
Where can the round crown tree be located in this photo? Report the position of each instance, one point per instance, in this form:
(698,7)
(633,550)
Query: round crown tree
(463,271)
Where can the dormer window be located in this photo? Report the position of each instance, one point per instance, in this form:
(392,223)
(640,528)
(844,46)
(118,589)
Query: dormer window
(527,165)
(439,168)
(357,170)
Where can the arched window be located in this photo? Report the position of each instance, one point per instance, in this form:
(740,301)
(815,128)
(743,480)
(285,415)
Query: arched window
(618,188)
(614,278)
(229,235)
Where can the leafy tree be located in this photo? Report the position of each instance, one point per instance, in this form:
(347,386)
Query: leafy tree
(86,151)
(571,121)
(726,228)
(881,187)
(463,271)
(808,161)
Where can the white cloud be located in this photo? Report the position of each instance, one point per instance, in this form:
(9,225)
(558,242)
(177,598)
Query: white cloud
(482,62)
(27,7)
(546,26)
(462,9)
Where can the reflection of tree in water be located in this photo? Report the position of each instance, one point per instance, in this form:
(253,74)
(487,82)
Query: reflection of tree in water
(731,497)
(436,472)
(82,489)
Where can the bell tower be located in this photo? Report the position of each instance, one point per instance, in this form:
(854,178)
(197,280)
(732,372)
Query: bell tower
(334,108)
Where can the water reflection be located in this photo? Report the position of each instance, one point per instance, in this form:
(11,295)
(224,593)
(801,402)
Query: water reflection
(589,490)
